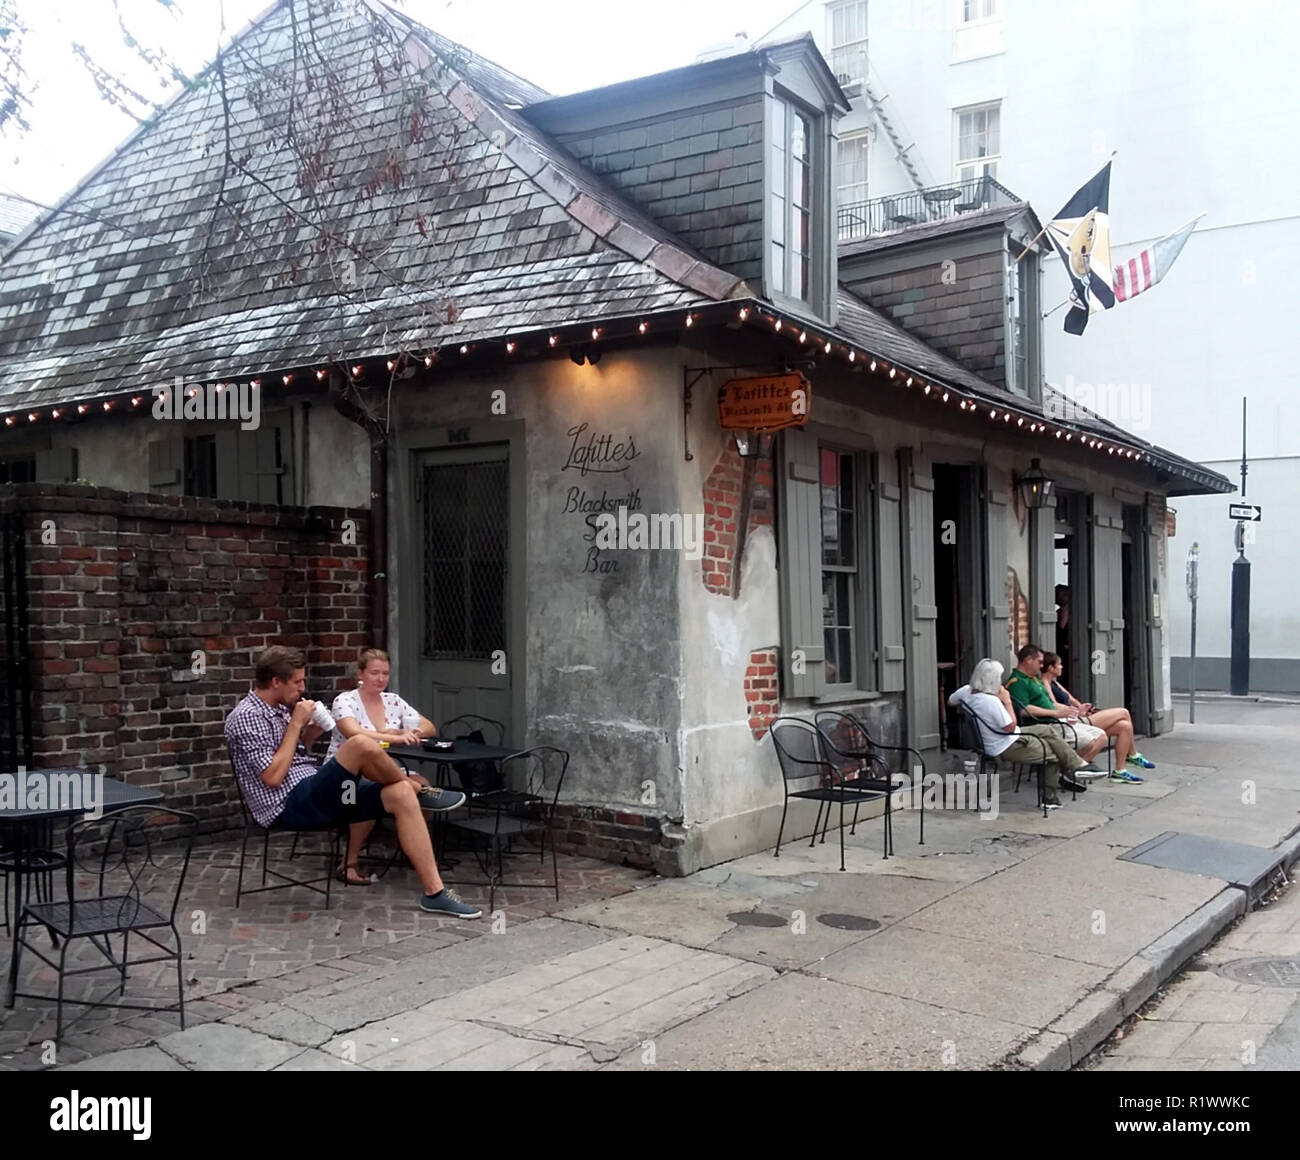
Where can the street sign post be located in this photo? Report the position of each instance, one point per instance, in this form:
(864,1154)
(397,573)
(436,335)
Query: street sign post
(1193,555)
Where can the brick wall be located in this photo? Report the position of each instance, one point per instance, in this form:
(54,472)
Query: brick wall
(722,505)
(125,589)
(963,317)
(762,690)
(699,174)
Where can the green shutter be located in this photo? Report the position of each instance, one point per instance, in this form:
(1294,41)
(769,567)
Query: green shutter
(997,613)
(58,465)
(803,647)
(922,613)
(1042,576)
(167,464)
(889,572)
(1107,646)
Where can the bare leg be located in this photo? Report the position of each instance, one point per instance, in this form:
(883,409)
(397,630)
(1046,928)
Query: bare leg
(358,832)
(1094,747)
(1118,724)
(362,755)
(401,800)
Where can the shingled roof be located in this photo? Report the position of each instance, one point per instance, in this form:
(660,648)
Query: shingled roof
(424,212)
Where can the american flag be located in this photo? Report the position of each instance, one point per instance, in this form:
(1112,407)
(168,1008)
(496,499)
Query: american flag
(1145,269)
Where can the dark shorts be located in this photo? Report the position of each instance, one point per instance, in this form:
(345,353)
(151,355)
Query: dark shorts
(333,796)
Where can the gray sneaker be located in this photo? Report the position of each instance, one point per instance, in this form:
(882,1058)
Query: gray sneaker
(447,901)
(439,801)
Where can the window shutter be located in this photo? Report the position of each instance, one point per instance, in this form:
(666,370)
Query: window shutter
(1042,576)
(1107,605)
(922,612)
(58,465)
(800,545)
(167,464)
(1153,533)
(889,612)
(997,613)
(233,477)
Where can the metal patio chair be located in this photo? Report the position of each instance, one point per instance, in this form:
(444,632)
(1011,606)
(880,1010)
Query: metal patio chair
(251,824)
(973,738)
(846,734)
(139,872)
(524,808)
(801,753)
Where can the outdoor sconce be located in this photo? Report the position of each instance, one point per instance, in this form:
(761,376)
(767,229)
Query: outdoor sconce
(753,444)
(1036,490)
(581,354)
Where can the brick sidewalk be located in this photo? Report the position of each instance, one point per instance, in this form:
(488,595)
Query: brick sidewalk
(275,945)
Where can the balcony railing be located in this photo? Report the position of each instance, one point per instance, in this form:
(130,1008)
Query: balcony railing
(901,211)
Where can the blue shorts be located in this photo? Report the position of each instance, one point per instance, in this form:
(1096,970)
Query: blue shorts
(333,796)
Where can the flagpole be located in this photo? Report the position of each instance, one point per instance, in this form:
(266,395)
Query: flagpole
(1041,232)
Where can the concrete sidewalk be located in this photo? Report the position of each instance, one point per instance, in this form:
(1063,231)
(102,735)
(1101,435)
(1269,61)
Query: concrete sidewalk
(1019,941)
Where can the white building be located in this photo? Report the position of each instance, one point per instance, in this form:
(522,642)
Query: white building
(1195,99)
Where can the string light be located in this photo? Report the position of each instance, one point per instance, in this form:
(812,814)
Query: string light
(827,348)
(927,388)
(778,325)
(892,372)
(803,336)
(428,360)
(136,401)
(909,380)
(510,348)
(108,406)
(391,364)
(744,313)
(993,412)
(81,408)
(288,379)
(32,417)
(552,340)
(642,327)
(595,333)
(853,356)
(945,396)
(356,371)
(320,374)
(464,349)
(873,365)
(690,320)
(255,384)
(1007,418)
(9,420)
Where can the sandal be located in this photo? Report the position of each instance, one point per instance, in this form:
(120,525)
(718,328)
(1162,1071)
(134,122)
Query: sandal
(352,876)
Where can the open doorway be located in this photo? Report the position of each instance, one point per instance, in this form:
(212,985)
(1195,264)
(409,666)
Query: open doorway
(1072,560)
(1136,590)
(958,584)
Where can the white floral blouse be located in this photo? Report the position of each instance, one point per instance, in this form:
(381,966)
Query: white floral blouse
(349,704)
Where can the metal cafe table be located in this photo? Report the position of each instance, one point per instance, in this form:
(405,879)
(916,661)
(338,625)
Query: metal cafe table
(32,830)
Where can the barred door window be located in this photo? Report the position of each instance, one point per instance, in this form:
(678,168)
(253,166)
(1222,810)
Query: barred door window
(839,511)
(465,559)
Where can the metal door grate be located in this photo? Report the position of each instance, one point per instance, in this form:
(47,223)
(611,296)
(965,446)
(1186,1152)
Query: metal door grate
(466,536)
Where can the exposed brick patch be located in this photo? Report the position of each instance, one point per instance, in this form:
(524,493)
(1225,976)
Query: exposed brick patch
(611,835)
(722,505)
(132,585)
(762,691)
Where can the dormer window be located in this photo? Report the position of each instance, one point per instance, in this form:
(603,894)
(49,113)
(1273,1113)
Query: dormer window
(790,132)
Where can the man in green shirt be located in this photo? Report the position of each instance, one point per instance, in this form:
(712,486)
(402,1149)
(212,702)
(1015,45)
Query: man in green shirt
(1035,705)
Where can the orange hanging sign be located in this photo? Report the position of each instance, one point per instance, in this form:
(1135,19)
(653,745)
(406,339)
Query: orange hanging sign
(764,403)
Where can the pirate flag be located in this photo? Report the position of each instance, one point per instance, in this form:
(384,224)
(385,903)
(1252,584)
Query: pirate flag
(1081,235)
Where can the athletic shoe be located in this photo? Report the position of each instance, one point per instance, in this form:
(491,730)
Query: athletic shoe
(1126,775)
(439,801)
(447,901)
(1052,802)
(1067,782)
(1141,762)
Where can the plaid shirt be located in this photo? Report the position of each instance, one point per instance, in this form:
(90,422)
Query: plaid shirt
(254,731)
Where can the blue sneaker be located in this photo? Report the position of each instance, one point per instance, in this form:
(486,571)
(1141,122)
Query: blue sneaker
(439,801)
(447,901)
(1126,775)
(1141,762)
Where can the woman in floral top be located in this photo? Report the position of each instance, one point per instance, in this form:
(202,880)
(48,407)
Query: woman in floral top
(356,713)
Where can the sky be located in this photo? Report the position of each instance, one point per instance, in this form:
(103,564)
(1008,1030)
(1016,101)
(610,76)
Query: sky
(562,45)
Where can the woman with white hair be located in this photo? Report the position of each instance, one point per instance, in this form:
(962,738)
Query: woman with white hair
(990,704)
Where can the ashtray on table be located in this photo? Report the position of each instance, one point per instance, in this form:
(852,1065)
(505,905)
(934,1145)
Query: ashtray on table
(438,744)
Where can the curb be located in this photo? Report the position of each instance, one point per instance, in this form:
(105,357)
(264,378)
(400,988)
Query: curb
(1068,1040)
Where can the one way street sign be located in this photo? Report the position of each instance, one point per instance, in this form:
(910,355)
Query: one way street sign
(1244,511)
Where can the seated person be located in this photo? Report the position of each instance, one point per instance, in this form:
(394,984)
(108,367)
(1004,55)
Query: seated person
(355,713)
(1034,705)
(1117,723)
(991,705)
(268,734)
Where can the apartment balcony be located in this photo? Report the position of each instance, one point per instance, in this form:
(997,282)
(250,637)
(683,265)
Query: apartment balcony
(901,211)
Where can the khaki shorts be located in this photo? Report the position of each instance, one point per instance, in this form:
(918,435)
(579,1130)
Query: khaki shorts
(1083,734)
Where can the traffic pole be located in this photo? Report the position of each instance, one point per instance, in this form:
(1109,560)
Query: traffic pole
(1239,674)
(1192,557)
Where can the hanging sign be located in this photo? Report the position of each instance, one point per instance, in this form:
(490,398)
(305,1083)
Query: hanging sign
(764,403)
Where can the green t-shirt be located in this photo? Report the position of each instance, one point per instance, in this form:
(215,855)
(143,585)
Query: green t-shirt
(1027,690)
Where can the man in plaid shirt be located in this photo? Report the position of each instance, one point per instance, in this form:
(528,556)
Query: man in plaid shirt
(269,733)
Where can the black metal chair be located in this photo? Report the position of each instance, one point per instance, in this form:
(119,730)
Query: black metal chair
(251,824)
(801,753)
(846,734)
(459,728)
(139,868)
(523,808)
(973,739)
(31,862)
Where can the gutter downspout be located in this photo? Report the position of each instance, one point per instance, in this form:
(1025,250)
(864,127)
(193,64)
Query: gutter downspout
(377,554)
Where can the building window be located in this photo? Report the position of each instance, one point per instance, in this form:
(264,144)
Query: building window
(1022,322)
(848,37)
(851,170)
(201,466)
(790,132)
(976,11)
(978,142)
(841,597)
(978,29)
(18,470)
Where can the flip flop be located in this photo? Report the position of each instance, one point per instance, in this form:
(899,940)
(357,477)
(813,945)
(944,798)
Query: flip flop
(344,875)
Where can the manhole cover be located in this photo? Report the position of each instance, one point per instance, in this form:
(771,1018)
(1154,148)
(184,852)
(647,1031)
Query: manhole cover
(756,918)
(848,922)
(1263,972)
